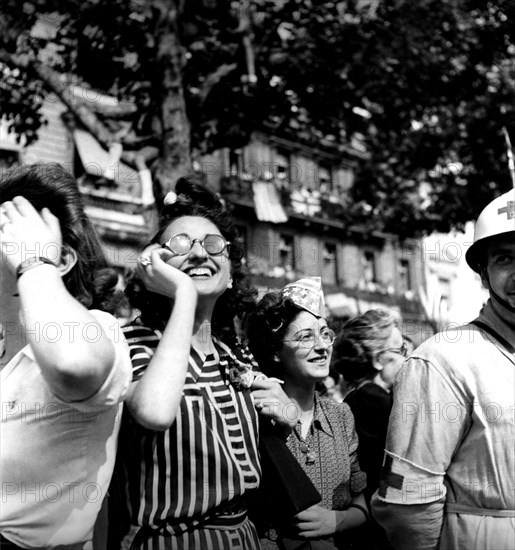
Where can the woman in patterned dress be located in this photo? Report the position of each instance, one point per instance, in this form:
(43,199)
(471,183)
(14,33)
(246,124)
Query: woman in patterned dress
(289,337)
(190,450)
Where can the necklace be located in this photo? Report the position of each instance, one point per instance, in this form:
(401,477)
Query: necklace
(305,447)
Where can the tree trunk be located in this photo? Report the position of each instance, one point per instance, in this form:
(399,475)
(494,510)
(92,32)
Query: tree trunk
(175,160)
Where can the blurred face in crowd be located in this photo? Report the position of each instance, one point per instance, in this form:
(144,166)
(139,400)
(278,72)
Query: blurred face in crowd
(389,360)
(307,348)
(500,267)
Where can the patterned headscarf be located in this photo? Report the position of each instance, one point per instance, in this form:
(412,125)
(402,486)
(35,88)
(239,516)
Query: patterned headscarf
(307,294)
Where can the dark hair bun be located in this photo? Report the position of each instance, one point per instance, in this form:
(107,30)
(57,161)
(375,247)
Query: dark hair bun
(193,189)
(105,294)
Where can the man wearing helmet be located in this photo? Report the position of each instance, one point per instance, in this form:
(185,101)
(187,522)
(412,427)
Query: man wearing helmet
(448,477)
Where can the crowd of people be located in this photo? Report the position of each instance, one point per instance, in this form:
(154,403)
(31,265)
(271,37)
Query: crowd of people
(214,420)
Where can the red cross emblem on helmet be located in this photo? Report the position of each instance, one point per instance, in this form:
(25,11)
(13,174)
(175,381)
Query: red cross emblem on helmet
(509,209)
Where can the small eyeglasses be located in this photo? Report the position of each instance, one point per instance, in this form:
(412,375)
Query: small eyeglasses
(403,350)
(181,243)
(308,338)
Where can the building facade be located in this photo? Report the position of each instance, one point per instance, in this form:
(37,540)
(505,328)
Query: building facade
(288,200)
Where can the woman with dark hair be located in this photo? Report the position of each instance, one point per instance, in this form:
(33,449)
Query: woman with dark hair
(290,339)
(192,456)
(65,367)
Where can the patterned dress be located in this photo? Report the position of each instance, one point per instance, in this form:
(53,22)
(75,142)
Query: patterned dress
(329,456)
(187,484)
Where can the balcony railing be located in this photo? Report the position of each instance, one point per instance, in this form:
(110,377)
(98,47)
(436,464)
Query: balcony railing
(300,201)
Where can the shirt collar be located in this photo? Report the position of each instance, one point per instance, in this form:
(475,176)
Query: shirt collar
(320,417)
(27,350)
(498,319)
(15,361)
(197,358)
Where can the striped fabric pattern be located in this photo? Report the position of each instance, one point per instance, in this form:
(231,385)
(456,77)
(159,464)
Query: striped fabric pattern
(182,477)
(240,537)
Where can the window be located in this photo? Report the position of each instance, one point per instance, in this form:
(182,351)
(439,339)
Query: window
(286,251)
(369,267)
(405,283)
(243,240)
(330,264)
(282,168)
(235,162)
(325,179)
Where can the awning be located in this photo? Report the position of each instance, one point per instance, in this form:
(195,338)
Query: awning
(267,203)
(98,162)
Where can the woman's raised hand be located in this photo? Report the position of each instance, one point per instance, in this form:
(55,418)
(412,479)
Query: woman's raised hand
(25,233)
(159,276)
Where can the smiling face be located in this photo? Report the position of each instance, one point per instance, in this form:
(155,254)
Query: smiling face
(211,273)
(500,267)
(304,355)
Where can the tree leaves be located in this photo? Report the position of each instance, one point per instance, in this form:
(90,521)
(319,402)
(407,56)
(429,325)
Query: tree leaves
(418,85)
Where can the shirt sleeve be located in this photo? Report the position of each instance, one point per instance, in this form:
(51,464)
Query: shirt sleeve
(427,424)
(358,479)
(143,342)
(115,386)
(410,528)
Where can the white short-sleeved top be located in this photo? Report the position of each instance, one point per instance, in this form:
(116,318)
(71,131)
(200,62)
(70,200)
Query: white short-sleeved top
(57,457)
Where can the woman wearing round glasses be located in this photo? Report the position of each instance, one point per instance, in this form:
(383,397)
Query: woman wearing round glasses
(369,352)
(191,454)
(289,337)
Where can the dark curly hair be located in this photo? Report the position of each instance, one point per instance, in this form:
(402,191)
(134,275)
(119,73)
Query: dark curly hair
(195,199)
(359,342)
(267,325)
(51,186)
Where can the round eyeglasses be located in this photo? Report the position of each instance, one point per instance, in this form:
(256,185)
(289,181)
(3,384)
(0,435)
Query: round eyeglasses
(181,243)
(308,338)
(403,350)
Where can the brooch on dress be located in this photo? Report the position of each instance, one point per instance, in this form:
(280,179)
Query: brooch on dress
(240,375)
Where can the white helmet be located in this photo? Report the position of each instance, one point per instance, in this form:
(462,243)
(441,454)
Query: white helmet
(497,218)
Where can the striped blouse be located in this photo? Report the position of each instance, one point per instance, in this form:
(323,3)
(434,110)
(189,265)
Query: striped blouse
(208,458)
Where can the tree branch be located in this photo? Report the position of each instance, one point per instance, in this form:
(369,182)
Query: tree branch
(81,109)
(214,78)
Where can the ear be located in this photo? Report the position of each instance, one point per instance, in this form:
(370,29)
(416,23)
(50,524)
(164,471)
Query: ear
(229,284)
(484,277)
(68,259)
(376,363)
(275,358)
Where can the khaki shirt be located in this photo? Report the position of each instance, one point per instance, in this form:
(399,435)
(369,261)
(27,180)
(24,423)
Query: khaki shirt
(451,438)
